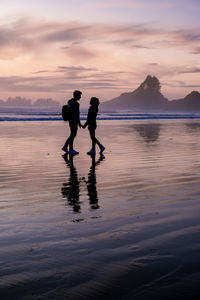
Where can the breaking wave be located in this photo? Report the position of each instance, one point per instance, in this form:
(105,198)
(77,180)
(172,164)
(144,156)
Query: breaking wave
(37,116)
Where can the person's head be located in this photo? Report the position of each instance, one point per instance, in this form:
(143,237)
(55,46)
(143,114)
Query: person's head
(94,101)
(77,95)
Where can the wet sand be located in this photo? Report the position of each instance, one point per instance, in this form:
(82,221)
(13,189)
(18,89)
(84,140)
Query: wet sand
(121,226)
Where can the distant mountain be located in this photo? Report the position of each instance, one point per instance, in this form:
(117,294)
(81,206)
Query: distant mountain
(190,103)
(148,97)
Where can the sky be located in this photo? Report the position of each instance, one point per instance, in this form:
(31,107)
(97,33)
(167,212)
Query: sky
(104,48)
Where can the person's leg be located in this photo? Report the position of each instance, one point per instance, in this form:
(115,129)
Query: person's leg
(97,142)
(67,142)
(92,136)
(65,147)
(73,129)
(94,139)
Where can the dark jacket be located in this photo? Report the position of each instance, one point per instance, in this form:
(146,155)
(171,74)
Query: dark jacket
(91,117)
(74,111)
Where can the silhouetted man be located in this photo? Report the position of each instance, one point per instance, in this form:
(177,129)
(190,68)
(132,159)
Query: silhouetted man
(74,121)
(71,189)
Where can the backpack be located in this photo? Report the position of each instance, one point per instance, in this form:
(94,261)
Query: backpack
(65,112)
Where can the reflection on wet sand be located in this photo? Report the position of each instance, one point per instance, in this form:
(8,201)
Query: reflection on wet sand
(71,189)
(143,241)
(150,132)
(91,182)
(193,126)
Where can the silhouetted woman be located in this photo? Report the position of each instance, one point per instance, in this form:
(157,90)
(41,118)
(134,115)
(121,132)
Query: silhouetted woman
(92,125)
(91,182)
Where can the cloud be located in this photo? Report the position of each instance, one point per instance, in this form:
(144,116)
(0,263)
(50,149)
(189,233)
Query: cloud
(66,69)
(132,43)
(81,52)
(78,39)
(185,35)
(190,70)
(181,84)
(182,70)
(153,64)
(131,3)
(68,79)
(67,32)
(78,68)
(41,71)
(67,55)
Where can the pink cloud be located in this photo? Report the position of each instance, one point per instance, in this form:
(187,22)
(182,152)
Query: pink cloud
(32,35)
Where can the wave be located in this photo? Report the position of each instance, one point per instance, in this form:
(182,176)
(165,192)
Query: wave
(102,116)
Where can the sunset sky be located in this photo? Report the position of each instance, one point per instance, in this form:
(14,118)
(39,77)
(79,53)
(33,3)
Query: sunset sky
(49,48)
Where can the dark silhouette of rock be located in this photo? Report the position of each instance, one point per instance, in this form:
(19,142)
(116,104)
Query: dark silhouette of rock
(148,97)
(190,103)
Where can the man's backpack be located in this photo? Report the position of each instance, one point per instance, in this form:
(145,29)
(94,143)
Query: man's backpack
(65,112)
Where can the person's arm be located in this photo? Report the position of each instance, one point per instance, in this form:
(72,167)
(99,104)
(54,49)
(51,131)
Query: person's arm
(88,118)
(78,115)
(86,123)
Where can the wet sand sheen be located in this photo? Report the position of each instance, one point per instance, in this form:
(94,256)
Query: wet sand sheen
(121,226)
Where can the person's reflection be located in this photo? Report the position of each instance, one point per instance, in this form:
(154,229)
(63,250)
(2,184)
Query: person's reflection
(150,132)
(91,182)
(71,190)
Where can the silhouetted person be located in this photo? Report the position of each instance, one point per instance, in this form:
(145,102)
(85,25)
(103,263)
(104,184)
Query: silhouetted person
(71,190)
(92,125)
(74,121)
(91,183)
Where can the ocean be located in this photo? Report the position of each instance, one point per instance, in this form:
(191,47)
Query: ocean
(55,115)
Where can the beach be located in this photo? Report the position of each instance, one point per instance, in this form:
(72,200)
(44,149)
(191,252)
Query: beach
(123,225)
